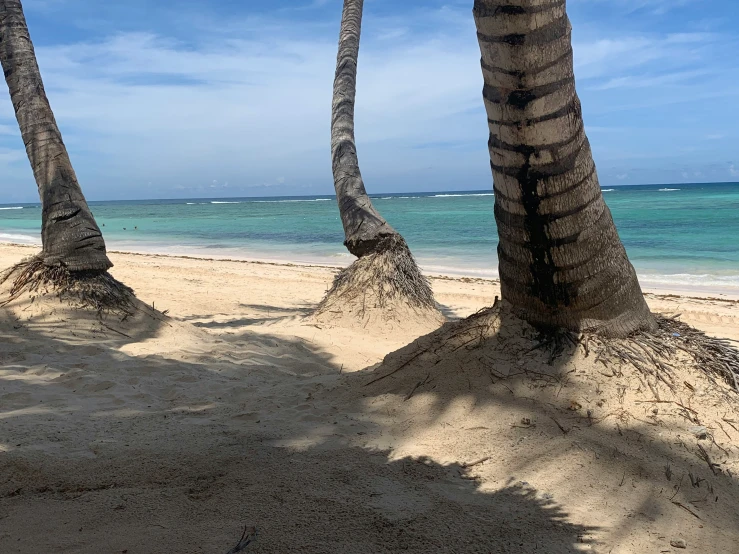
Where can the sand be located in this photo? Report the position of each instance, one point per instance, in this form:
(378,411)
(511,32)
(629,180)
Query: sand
(170,434)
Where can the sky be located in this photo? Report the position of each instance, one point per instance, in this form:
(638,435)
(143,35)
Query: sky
(225,98)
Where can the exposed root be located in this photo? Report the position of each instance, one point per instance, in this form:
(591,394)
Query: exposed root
(97,291)
(654,353)
(572,387)
(380,280)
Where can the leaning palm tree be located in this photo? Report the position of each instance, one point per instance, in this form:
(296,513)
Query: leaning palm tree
(385,267)
(562,264)
(73,249)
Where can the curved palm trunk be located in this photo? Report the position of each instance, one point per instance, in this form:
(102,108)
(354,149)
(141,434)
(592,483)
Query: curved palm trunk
(365,230)
(562,263)
(69,234)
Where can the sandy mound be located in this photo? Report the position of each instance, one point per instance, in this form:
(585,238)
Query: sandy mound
(596,434)
(391,317)
(44,313)
(383,290)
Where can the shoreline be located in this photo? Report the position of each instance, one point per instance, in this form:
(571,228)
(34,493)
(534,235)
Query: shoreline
(662,291)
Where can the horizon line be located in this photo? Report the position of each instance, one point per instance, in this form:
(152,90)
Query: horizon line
(373,195)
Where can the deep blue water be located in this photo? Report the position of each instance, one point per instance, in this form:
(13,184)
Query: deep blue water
(681,235)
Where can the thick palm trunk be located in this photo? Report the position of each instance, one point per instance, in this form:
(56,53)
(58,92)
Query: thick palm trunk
(562,263)
(365,230)
(70,236)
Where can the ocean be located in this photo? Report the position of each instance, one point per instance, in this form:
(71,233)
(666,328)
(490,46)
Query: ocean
(677,236)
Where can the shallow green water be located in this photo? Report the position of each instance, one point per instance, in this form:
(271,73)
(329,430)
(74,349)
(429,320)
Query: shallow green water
(681,235)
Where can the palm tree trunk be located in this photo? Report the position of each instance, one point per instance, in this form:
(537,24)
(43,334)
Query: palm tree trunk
(385,276)
(365,230)
(562,263)
(70,236)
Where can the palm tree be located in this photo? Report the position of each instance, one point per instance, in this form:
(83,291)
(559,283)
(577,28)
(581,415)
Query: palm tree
(561,261)
(70,236)
(364,228)
(381,249)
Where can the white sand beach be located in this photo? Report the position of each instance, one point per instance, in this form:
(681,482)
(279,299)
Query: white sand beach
(171,434)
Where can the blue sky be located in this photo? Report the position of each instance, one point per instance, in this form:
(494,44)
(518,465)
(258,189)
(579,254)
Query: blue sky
(184,98)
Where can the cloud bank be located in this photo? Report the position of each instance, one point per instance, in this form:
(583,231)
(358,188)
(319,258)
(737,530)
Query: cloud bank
(236,101)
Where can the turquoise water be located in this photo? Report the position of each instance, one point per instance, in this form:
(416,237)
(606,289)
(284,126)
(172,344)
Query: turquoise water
(677,235)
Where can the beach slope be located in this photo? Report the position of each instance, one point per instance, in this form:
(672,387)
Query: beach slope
(229,407)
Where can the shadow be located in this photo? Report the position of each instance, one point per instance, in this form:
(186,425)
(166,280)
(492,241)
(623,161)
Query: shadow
(545,412)
(108,449)
(256,314)
(172,440)
(449,313)
(315,502)
(276,309)
(233,323)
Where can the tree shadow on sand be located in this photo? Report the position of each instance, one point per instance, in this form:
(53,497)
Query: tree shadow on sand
(257,314)
(629,454)
(156,436)
(117,444)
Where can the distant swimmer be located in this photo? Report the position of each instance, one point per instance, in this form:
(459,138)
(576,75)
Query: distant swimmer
(135,228)
(124,228)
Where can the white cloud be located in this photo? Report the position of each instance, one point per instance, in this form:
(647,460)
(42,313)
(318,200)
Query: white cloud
(644,81)
(247,98)
(655,7)
(249,105)
(14,156)
(608,57)
(10,130)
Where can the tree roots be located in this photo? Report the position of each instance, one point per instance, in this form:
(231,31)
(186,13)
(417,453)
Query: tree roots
(380,279)
(84,289)
(654,353)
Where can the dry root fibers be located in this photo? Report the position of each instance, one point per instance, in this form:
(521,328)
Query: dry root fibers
(385,279)
(97,291)
(654,354)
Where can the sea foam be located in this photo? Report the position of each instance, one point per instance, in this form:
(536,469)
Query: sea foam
(19,239)
(462,195)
